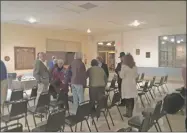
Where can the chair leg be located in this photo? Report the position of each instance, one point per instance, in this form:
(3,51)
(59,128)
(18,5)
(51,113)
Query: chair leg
(142,101)
(76,127)
(94,124)
(110,117)
(119,112)
(106,120)
(156,127)
(159,91)
(88,125)
(169,123)
(34,120)
(71,128)
(81,127)
(151,95)
(166,87)
(159,126)
(26,121)
(147,99)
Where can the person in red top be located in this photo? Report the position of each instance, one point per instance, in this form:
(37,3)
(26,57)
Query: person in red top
(60,80)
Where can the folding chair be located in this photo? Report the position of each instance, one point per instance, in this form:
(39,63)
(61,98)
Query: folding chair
(159,85)
(18,111)
(17,127)
(141,78)
(33,94)
(82,114)
(55,121)
(102,107)
(115,102)
(143,92)
(16,95)
(165,82)
(42,106)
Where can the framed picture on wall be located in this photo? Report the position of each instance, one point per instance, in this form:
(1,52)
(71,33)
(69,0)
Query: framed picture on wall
(137,51)
(148,54)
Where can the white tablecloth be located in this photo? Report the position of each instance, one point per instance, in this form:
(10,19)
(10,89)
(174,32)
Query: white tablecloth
(24,84)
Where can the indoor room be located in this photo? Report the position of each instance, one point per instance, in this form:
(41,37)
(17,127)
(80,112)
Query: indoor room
(93,66)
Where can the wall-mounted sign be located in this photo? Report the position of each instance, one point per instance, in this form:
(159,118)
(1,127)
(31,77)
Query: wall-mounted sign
(148,54)
(137,51)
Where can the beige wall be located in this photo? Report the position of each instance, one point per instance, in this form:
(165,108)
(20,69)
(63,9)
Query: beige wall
(19,35)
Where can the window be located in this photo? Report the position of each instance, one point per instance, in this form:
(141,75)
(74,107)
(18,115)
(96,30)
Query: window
(172,50)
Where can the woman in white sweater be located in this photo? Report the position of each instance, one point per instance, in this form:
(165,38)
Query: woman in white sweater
(128,75)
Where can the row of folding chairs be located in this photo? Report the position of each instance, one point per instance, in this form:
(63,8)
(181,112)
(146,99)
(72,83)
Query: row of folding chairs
(147,120)
(149,87)
(19,109)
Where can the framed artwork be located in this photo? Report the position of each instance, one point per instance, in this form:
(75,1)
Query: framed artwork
(148,54)
(24,57)
(137,51)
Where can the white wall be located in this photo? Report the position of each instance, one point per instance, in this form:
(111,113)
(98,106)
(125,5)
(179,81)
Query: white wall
(147,41)
(19,35)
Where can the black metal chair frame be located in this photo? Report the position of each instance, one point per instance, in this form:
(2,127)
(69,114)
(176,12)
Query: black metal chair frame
(160,85)
(18,111)
(42,106)
(17,127)
(54,123)
(81,115)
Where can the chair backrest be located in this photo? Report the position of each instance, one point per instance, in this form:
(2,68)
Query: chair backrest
(113,83)
(146,85)
(55,120)
(146,124)
(142,76)
(166,79)
(16,95)
(61,96)
(17,127)
(116,98)
(152,82)
(162,80)
(43,100)
(137,78)
(83,110)
(157,111)
(18,108)
(34,92)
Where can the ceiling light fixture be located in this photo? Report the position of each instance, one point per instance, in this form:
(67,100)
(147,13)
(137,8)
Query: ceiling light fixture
(88,31)
(182,40)
(165,37)
(100,43)
(108,44)
(32,20)
(135,23)
(172,39)
(178,41)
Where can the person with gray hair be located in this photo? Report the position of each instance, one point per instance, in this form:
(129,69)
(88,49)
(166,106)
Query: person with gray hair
(41,74)
(78,79)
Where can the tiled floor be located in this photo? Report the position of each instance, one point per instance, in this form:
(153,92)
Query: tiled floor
(177,121)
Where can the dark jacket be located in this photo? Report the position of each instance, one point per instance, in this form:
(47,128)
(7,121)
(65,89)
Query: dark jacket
(117,70)
(3,71)
(78,71)
(105,68)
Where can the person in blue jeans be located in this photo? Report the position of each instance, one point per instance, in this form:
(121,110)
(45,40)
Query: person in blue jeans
(78,79)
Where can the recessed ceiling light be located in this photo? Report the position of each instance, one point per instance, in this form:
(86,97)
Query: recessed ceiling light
(100,43)
(136,23)
(165,37)
(108,44)
(178,41)
(163,42)
(182,40)
(88,31)
(32,20)
(172,39)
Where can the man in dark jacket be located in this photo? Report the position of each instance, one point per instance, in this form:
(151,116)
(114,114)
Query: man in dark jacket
(103,65)
(117,70)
